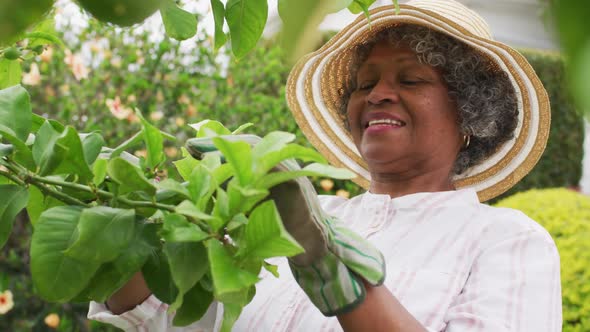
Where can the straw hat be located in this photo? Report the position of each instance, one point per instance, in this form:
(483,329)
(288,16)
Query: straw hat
(314,98)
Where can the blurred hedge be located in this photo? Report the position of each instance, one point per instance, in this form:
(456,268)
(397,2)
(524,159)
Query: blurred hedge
(566,215)
(561,163)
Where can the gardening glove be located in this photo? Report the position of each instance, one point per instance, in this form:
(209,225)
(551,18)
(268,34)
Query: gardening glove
(336,259)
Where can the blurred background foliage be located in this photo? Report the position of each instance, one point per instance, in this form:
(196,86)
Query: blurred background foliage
(102,74)
(565,214)
(561,163)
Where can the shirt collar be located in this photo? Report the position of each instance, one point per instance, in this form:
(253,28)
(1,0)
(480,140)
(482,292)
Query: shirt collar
(459,197)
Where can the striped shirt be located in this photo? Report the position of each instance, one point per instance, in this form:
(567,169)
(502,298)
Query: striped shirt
(455,264)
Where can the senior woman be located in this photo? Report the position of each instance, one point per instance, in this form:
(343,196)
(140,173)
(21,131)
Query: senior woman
(434,117)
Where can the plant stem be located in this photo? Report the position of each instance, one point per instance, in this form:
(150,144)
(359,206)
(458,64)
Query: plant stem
(13,178)
(104,195)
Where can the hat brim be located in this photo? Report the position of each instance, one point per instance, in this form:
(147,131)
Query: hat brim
(314,97)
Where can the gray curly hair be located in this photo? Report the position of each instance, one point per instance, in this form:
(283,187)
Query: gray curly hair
(485,98)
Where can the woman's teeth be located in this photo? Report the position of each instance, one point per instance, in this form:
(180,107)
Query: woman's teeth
(385,122)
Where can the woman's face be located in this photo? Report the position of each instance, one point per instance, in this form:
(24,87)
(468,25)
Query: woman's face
(401,116)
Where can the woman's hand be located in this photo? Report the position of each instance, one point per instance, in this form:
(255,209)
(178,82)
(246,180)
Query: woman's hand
(336,260)
(132,294)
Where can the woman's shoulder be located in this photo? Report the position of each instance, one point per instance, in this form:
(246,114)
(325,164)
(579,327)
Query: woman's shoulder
(503,223)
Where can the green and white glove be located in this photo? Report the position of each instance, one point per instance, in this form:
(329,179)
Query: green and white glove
(336,259)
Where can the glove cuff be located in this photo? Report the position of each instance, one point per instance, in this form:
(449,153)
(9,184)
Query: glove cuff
(330,285)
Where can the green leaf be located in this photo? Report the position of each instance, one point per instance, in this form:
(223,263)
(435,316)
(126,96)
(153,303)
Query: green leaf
(186,165)
(211,162)
(154,143)
(188,208)
(227,276)
(60,152)
(129,177)
(301,19)
(274,141)
(178,229)
(396,4)
(223,173)
(103,234)
(158,277)
(130,142)
(113,275)
(92,145)
(195,304)
(40,38)
(272,179)
(10,73)
(46,153)
(15,110)
(37,122)
(246,20)
(210,128)
(273,269)
(6,150)
(290,151)
(14,199)
(188,264)
(199,184)
(266,236)
(220,210)
(233,303)
(241,200)
(219,19)
(179,23)
(239,155)
(22,153)
(100,171)
(58,278)
(358,6)
(241,128)
(39,203)
(236,222)
(174,186)
(231,313)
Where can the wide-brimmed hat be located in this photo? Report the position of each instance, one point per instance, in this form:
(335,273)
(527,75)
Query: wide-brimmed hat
(314,93)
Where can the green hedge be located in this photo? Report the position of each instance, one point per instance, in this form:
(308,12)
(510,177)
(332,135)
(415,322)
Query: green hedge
(561,163)
(566,215)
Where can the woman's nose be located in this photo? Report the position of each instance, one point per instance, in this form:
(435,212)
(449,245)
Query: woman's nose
(383,92)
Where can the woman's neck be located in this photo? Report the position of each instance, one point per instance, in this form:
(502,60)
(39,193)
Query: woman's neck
(397,185)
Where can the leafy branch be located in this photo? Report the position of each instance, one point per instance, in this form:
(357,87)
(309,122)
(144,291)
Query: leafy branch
(101,214)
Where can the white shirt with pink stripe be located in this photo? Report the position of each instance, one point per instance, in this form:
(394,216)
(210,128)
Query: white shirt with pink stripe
(454,263)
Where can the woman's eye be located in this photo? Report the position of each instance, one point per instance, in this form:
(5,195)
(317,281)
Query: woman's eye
(366,86)
(410,81)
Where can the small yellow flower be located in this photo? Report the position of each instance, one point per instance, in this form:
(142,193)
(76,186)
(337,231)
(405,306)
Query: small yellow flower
(183,99)
(64,89)
(6,302)
(343,193)
(171,151)
(191,110)
(156,116)
(180,122)
(47,54)
(141,153)
(33,77)
(52,320)
(118,109)
(131,98)
(327,184)
(76,65)
(159,96)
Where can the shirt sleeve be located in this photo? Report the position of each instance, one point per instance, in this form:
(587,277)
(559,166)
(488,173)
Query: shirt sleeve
(514,285)
(150,316)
